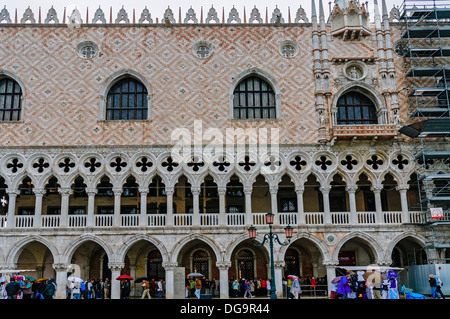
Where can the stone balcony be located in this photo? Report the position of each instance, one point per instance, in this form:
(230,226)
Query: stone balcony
(229,220)
(361,132)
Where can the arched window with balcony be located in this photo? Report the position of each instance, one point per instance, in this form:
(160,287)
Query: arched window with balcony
(355,108)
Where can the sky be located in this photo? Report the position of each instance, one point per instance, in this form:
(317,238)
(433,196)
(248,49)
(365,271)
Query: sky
(157,8)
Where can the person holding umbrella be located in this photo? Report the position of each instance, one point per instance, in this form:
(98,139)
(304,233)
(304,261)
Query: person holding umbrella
(296,290)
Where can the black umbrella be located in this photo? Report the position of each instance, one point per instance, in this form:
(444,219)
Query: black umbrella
(140,279)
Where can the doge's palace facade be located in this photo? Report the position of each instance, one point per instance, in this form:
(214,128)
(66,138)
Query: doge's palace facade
(98,182)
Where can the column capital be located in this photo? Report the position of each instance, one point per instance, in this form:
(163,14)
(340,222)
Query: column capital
(222,190)
(248,190)
(170,190)
(223,265)
(169,265)
(402,187)
(325,189)
(330,263)
(195,191)
(13,192)
(351,188)
(39,191)
(116,266)
(279,263)
(376,188)
(299,189)
(273,189)
(143,190)
(91,191)
(117,191)
(61,267)
(65,191)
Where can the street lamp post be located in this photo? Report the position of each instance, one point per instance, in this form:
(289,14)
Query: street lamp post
(271,237)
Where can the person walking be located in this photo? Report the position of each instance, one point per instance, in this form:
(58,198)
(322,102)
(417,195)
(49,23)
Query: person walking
(160,288)
(145,289)
(106,288)
(12,289)
(198,287)
(213,287)
(235,286)
(313,286)
(439,283)
(268,286)
(247,289)
(295,290)
(433,285)
(126,289)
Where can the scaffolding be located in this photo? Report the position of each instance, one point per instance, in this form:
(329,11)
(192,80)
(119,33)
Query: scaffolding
(425,47)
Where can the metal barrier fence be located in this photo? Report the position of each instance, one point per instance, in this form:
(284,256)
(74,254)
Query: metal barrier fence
(319,291)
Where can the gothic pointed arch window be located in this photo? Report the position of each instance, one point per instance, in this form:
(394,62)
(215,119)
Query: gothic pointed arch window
(356,108)
(10,100)
(254,98)
(127,100)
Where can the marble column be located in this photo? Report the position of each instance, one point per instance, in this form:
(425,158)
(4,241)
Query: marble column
(65,195)
(12,196)
(39,194)
(300,207)
(91,192)
(248,205)
(115,284)
(376,189)
(331,273)
(196,205)
(222,208)
(169,218)
(403,189)
(170,279)
(117,220)
(351,190)
(279,266)
(274,204)
(61,280)
(326,204)
(223,278)
(143,211)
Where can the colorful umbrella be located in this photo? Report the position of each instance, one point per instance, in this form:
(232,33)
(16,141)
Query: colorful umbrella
(30,278)
(336,280)
(124,277)
(42,279)
(292,276)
